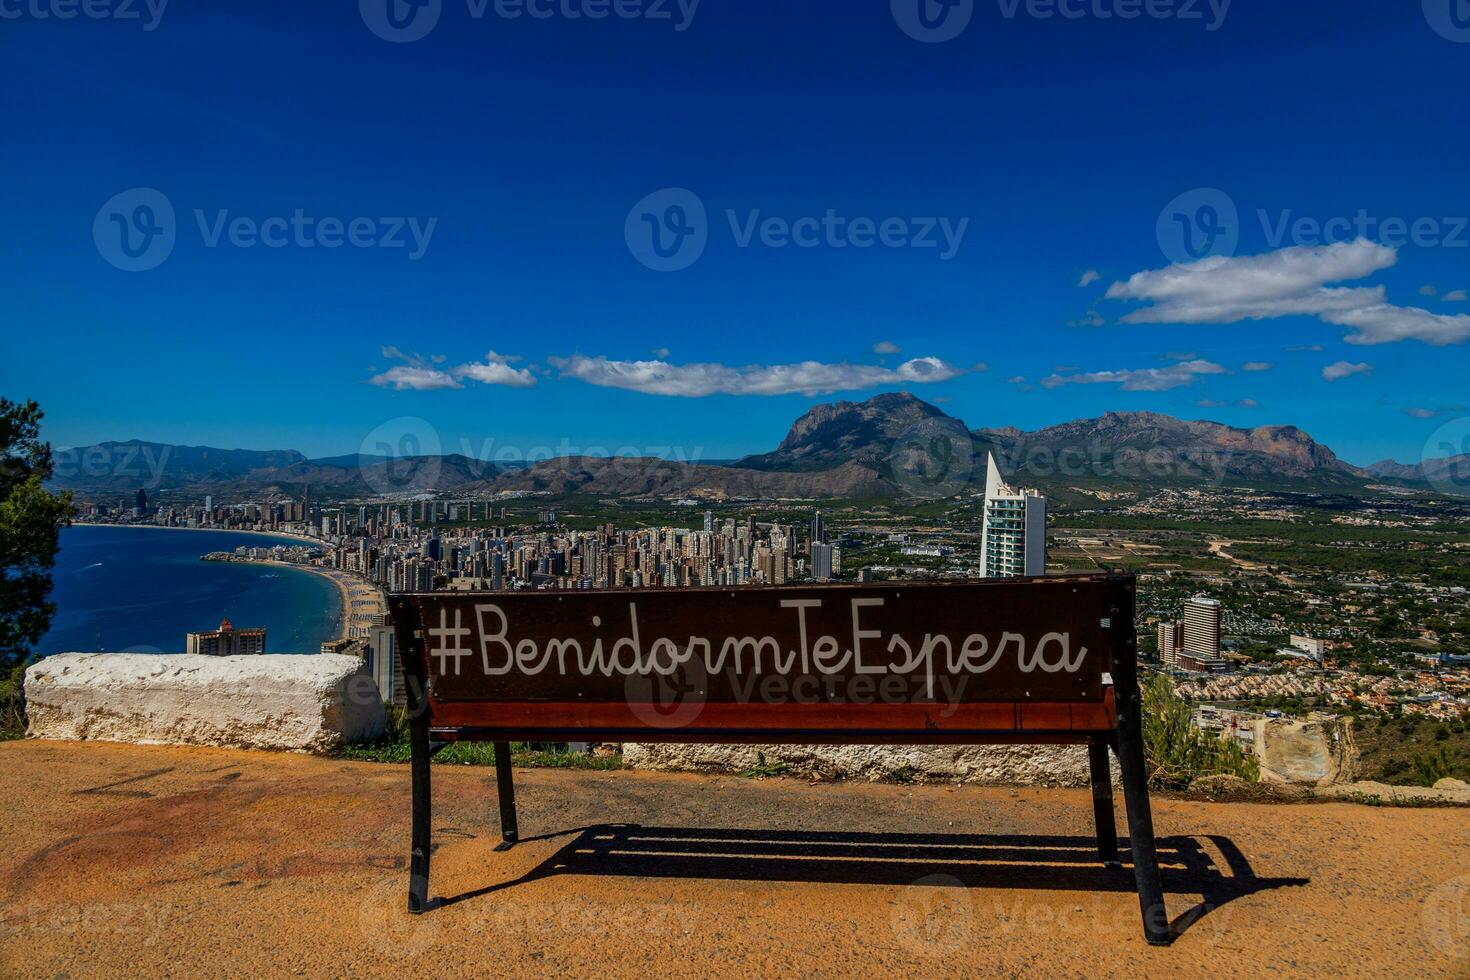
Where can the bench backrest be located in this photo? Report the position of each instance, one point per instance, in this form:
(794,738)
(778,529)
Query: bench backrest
(977,661)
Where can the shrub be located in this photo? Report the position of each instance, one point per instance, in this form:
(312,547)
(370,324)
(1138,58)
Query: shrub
(12,703)
(1176,752)
(1430,769)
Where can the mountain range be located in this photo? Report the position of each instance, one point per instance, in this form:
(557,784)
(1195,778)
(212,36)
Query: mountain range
(892,445)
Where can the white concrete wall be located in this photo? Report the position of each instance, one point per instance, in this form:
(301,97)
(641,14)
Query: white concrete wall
(301,703)
(1011,765)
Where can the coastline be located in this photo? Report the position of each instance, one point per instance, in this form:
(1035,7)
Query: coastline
(304,539)
(352,591)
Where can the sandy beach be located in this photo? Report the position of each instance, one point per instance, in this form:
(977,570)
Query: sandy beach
(361,600)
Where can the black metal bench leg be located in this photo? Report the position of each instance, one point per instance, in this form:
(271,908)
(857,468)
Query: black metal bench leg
(418,881)
(1141,827)
(1102,803)
(505,785)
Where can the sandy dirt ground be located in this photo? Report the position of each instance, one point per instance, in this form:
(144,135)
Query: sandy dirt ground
(135,860)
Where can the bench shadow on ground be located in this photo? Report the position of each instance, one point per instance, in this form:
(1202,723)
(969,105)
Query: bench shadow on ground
(967,860)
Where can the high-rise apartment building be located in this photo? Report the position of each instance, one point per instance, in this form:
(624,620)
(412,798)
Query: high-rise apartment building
(821,561)
(1013,536)
(1169,644)
(225,641)
(1201,632)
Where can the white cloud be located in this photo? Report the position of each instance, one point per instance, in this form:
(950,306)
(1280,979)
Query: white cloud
(1290,281)
(1256,366)
(1384,324)
(660,352)
(1421,413)
(1338,370)
(884,347)
(1242,403)
(496,370)
(1088,278)
(698,380)
(415,378)
(1455,296)
(1019,379)
(1140,379)
(1309,348)
(1090,319)
(1428,290)
(416,373)
(1256,287)
(419,373)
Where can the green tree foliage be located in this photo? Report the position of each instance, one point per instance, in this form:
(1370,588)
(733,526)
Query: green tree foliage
(30,520)
(1176,752)
(1437,764)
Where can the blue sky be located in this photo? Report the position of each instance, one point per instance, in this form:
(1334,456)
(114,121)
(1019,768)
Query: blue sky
(528,150)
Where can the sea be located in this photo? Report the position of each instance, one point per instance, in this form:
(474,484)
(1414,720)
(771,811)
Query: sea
(140,589)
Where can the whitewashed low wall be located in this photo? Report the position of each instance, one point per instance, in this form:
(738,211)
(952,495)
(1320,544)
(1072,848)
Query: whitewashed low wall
(1009,765)
(300,703)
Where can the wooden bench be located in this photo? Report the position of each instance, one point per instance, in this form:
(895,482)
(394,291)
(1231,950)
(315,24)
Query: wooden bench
(1042,660)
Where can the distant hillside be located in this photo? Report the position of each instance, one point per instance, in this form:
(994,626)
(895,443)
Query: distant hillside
(1449,474)
(890,445)
(126,466)
(1130,448)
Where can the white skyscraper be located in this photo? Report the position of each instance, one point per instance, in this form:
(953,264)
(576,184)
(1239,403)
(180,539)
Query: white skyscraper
(1013,537)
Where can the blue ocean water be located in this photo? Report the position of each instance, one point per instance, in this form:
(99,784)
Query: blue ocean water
(142,589)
